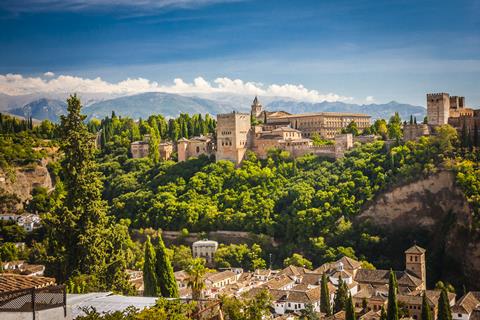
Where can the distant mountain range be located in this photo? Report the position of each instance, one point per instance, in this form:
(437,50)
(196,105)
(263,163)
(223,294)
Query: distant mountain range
(145,104)
(42,109)
(171,105)
(376,111)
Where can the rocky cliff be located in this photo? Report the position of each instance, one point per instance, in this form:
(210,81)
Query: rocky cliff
(432,211)
(24,179)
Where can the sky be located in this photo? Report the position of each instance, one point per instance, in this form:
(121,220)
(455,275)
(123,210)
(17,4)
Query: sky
(360,51)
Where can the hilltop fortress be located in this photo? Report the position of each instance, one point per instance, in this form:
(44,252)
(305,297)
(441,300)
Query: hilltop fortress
(445,109)
(260,131)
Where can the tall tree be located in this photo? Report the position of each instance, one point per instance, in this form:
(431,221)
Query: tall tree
(383,314)
(392,308)
(325,306)
(166,283)
(476,137)
(444,312)
(341,296)
(149,275)
(426,312)
(79,230)
(350,310)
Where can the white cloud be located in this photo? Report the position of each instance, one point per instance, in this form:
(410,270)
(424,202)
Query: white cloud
(81,5)
(49,74)
(369,99)
(16,84)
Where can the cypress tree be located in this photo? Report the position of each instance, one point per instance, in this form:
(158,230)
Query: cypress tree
(341,296)
(392,308)
(426,312)
(415,120)
(164,270)
(383,314)
(475,135)
(325,306)
(349,310)
(411,119)
(81,233)
(444,312)
(149,275)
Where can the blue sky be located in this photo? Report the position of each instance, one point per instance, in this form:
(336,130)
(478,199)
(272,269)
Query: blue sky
(383,50)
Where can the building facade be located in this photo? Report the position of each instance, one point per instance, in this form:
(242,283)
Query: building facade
(194,147)
(233,136)
(205,249)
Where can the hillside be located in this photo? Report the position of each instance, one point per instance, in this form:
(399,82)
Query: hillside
(434,212)
(42,109)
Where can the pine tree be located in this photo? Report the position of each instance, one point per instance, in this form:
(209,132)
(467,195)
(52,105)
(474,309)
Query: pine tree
(165,278)
(341,296)
(392,307)
(426,312)
(325,306)
(349,310)
(149,275)
(444,312)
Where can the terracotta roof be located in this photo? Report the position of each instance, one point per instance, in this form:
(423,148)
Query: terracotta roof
(349,263)
(220,276)
(293,271)
(370,315)
(278,282)
(263,272)
(10,282)
(415,249)
(382,277)
(466,304)
(311,278)
(310,296)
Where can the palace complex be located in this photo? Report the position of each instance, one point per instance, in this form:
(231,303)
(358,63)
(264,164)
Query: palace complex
(261,131)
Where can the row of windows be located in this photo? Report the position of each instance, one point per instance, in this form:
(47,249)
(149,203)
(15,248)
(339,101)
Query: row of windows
(226,132)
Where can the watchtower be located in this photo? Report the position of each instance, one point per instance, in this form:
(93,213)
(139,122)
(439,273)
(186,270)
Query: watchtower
(438,108)
(256,108)
(415,263)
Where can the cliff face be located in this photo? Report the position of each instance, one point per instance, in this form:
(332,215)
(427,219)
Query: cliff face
(25,179)
(434,212)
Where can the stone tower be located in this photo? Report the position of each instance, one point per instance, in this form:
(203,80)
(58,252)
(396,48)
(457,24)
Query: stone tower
(415,263)
(256,108)
(438,108)
(182,145)
(233,136)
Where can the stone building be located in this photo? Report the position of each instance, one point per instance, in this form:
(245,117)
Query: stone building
(325,124)
(194,147)
(205,249)
(140,149)
(233,136)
